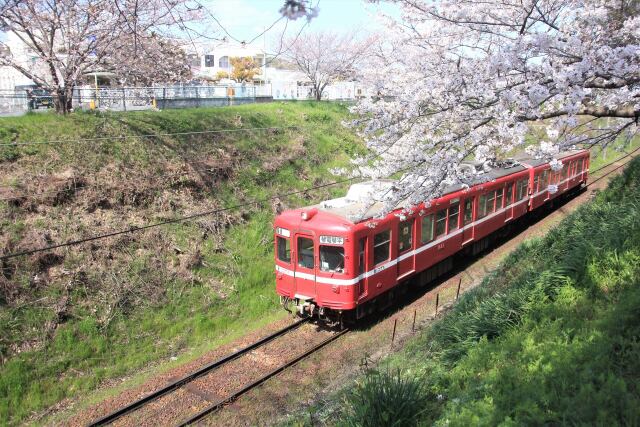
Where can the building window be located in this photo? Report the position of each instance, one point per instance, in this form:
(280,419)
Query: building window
(332,259)
(209,61)
(405,235)
(381,246)
(224,62)
(441,222)
(305,252)
(427,229)
(454,212)
(468,211)
(284,250)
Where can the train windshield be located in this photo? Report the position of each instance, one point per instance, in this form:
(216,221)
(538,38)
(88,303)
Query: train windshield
(332,259)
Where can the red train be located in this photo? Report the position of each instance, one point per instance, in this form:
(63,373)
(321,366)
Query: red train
(334,262)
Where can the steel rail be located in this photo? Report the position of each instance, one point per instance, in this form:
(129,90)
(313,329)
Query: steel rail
(216,406)
(192,376)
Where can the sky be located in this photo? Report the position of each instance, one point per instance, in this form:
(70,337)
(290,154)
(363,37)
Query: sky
(245,19)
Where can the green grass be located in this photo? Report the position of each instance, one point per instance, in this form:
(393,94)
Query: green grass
(165,308)
(552,337)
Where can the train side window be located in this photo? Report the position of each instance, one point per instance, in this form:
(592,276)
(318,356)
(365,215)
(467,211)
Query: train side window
(284,250)
(427,229)
(509,194)
(454,213)
(482,206)
(521,189)
(536,180)
(362,261)
(544,180)
(441,222)
(332,259)
(499,195)
(468,211)
(305,252)
(381,246)
(490,202)
(405,235)
(565,169)
(579,165)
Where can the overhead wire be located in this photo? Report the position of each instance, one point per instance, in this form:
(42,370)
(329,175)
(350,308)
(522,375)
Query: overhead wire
(170,221)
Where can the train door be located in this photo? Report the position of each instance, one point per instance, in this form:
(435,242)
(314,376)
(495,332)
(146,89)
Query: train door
(405,246)
(305,271)
(467,219)
(362,266)
(508,201)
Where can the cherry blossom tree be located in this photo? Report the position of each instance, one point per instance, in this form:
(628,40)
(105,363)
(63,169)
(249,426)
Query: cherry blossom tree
(71,37)
(325,57)
(471,79)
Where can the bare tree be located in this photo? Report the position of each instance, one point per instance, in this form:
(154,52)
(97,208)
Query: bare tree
(325,57)
(69,38)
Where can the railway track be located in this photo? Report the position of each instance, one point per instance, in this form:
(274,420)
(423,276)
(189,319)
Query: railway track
(214,405)
(132,409)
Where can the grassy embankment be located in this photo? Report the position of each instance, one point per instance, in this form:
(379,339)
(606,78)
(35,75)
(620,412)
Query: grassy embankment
(73,317)
(551,337)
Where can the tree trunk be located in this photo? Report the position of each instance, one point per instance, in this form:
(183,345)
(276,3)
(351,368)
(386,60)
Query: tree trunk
(63,99)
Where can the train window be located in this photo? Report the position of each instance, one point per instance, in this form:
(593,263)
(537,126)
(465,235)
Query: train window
(284,249)
(491,197)
(565,168)
(305,252)
(381,246)
(454,212)
(405,235)
(579,165)
(499,196)
(427,229)
(482,206)
(332,259)
(536,180)
(468,211)
(521,189)
(509,194)
(544,180)
(362,261)
(441,222)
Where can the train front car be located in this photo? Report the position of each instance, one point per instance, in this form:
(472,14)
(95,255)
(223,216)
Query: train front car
(315,271)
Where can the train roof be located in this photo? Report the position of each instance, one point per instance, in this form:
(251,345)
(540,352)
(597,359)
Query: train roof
(355,206)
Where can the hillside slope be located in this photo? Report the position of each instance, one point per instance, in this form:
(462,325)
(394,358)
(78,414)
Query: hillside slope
(74,317)
(551,337)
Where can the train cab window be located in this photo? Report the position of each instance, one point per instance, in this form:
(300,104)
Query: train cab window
(332,259)
(427,229)
(381,246)
(468,211)
(509,199)
(284,249)
(454,213)
(362,260)
(305,252)
(499,196)
(441,222)
(405,235)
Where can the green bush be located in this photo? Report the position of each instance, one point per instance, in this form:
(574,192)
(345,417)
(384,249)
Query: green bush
(385,398)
